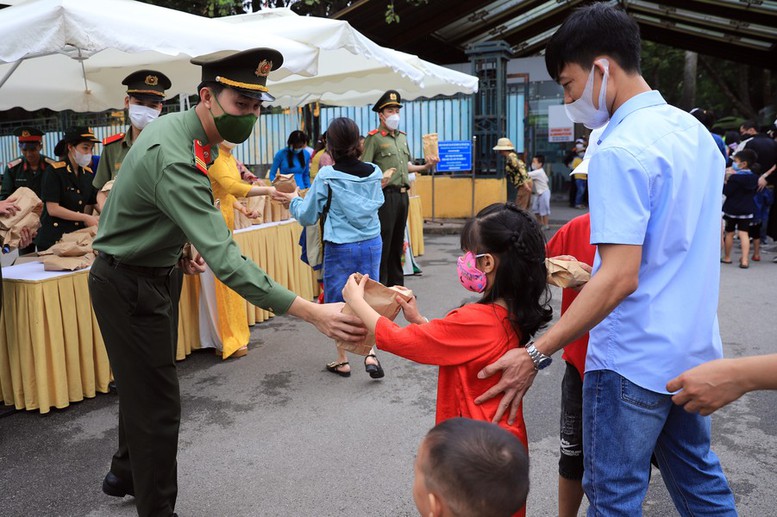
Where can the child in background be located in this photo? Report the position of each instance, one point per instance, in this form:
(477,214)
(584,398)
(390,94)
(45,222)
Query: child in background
(505,260)
(466,467)
(573,239)
(740,188)
(541,198)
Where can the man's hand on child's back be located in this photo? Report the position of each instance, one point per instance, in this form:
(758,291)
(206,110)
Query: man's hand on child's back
(518,373)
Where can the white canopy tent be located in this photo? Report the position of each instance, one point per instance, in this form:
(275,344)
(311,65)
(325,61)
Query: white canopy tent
(352,69)
(73,54)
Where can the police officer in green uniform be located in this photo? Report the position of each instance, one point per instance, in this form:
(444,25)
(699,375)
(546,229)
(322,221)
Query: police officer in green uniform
(27,170)
(66,191)
(387,148)
(143,102)
(162,200)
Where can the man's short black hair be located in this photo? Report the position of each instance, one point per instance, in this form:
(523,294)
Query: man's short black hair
(595,30)
(215,87)
(477,468)
(749,124)
(540,158)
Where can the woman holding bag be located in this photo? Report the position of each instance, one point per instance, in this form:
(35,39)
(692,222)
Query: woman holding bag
(348,194)
(293,159)
(222,310)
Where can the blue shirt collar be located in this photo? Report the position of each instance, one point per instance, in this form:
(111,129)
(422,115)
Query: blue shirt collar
(639,101)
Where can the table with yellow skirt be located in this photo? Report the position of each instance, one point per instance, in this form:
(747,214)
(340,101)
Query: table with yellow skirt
(51,349)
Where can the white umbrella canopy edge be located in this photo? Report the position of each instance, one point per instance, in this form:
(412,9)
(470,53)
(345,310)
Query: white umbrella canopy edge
(117,35)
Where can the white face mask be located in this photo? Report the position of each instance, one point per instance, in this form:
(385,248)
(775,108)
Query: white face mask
(82,160)
(392,121)
(140,116)
(582,111)
(536,166)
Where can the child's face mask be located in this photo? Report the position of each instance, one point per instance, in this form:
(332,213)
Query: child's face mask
(471,278)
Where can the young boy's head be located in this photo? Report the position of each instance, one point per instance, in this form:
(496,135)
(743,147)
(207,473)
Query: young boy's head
(745,159)
(537,161)
(469,468)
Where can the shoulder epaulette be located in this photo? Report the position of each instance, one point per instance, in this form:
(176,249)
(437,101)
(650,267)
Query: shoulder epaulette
(113,138)
(14,163)
(374,131)
(59,165)
(201,157)
(49,160)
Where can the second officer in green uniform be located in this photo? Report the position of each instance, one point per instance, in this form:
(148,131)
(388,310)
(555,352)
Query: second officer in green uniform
(387,148)
(161,200)
(67,192)
(143,102)
(27,170)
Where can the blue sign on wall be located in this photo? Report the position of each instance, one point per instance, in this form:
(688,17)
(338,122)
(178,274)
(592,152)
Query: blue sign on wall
(455,155)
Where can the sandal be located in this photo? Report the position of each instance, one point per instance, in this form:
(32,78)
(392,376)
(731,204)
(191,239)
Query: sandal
(375,370)
(333,367)
(725,261)
(742,265)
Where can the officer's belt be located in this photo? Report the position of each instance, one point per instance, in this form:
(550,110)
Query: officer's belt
(140,270)
(395,188)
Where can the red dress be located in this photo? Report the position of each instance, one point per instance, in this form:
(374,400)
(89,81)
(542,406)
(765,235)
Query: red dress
(462,343)
(574,238)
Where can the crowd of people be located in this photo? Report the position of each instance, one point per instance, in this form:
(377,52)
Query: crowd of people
(634,365)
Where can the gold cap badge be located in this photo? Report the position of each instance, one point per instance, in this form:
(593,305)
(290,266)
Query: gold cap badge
(263,70)
(25,133)
(152,80)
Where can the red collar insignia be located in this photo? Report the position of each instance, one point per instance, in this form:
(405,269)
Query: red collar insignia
(201,157)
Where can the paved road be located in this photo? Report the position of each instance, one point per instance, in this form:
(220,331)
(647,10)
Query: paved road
(273,434)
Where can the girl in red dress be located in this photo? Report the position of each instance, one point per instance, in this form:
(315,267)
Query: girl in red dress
(504,259)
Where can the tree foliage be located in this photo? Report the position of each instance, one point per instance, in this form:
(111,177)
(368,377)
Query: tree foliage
(726,87)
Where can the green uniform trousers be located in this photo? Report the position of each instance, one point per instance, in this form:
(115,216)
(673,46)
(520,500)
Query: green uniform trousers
(137,310)
(393,218)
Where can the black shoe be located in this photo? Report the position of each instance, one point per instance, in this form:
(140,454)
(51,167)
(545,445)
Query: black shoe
(116,487)
(375,370)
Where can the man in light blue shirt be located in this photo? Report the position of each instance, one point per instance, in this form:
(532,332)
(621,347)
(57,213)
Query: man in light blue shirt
(651,304)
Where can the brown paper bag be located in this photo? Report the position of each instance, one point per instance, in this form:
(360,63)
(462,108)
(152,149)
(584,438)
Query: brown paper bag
(256,204)
(566,273)
(388,173)
(241,221)
(27,202)
(285,183)
(108,186)
(55,263)
(383,300)
(84,235)
(28,216)
(431,147)
(69,249)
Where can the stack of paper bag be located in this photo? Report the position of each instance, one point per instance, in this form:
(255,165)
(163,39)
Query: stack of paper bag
(566,273)
(383,300)
(72,252)
(28,216)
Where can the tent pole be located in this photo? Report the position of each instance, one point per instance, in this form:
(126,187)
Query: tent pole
(10,72)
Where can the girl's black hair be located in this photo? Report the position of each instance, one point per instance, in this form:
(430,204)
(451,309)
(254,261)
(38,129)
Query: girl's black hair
(342,139)
(514,238)
(296,137)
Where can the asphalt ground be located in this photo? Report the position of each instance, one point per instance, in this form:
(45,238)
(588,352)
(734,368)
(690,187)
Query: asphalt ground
(274,434)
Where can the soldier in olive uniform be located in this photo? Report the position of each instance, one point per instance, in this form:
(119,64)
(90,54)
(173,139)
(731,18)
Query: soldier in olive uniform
(27,170)
(162,200)
(67,192)
(143,102)
(387,148)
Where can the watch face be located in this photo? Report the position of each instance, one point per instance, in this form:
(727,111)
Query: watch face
(544,363)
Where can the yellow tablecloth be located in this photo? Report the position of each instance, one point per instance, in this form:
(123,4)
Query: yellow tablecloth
(415,225)
(51,350)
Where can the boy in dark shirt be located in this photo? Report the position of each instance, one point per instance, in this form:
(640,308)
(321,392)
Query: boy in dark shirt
(740,187)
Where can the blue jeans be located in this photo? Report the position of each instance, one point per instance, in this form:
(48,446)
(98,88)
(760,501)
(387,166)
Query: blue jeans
(623,424)
(342,260)
(580,192)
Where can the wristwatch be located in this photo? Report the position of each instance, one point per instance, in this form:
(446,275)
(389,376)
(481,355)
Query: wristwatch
(539,359)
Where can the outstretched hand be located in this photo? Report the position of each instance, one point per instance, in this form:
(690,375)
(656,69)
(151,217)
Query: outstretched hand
(354,290)
(518,373)
(707,387)
(330,320)
(410,308)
